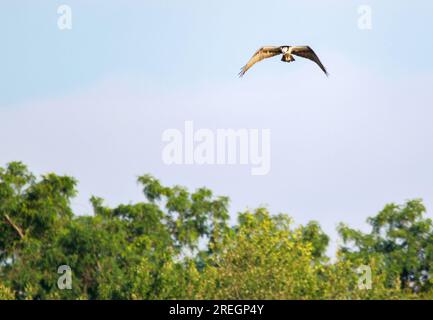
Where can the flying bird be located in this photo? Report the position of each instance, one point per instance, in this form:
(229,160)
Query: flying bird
(287,52)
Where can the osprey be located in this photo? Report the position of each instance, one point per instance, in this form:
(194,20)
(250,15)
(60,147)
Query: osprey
(287,52)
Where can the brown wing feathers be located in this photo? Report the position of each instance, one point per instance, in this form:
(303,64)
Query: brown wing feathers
(262,53)
(268,52)
(308,53)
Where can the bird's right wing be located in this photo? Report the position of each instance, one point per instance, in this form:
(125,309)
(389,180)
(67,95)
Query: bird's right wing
(262,53)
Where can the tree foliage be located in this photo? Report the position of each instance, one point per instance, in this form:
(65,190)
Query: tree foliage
(402,239)
(178,244)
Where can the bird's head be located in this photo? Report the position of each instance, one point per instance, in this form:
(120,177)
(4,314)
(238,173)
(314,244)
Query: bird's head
(284,49)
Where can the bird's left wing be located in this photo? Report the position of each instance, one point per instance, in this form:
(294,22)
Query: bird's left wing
(307,52)
(262,53)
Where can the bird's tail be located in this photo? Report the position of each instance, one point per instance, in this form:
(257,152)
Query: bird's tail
(287,58)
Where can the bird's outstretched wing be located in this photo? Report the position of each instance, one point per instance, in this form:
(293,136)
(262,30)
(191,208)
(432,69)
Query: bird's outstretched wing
(262,53)
(307,52)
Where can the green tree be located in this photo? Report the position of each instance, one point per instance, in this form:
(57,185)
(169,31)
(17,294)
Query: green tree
(262,259)
(5,293)
(144,250)
(401,239)
(177,244)
(31,215)
(313,233)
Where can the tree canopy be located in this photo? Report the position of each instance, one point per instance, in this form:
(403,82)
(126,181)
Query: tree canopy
(178,244)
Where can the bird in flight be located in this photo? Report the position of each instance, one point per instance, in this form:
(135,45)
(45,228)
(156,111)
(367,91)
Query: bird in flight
(287,52)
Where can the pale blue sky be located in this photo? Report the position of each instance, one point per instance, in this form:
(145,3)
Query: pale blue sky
(93,101)
(209,38)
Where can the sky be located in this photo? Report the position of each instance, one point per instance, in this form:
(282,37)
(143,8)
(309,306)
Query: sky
(94,101)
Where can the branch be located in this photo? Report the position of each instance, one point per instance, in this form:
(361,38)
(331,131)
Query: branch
(13,225)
